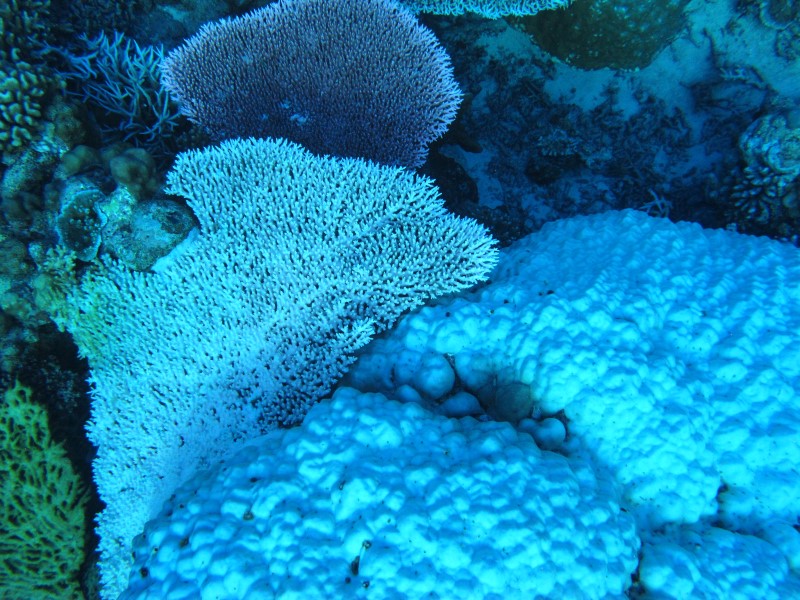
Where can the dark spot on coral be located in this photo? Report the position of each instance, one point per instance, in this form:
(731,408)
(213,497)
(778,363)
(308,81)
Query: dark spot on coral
(354,565)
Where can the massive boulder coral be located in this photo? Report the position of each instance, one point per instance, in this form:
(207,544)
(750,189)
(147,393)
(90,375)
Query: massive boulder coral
(371,498)
(667,354)
(670,351)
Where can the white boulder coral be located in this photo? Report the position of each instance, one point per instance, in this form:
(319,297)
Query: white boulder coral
(672,352)
(370,498)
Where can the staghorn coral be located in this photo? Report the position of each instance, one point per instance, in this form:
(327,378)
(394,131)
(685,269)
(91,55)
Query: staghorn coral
(121,80)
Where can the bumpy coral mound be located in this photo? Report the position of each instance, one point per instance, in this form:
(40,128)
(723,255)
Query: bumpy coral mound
(667,352)
(22,89)
(673,352)
(376,499)
(42,537)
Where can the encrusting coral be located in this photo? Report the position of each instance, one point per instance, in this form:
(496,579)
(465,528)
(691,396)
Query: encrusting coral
(25,81)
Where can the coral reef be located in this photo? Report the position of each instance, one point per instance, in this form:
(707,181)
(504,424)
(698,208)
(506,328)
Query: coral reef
(778,14)
(25,219)
(90,203)
(535,156)
(762,194)
(78,223)
(109,204)
(492,9)
(670,354)
(120,80)
(371,498)
(22,91)
(91,17)
(298,261)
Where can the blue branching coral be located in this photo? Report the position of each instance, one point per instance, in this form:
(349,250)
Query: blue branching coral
(121,79)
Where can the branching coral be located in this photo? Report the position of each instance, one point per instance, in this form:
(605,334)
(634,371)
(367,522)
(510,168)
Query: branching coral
(120,79)
(355,78)
(492,9)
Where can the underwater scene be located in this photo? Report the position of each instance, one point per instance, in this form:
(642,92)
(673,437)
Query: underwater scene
(400,299)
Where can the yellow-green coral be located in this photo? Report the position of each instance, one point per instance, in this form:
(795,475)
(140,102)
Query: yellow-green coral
(43,501)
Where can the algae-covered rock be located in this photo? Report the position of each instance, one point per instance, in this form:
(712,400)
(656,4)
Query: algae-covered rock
(621,34)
